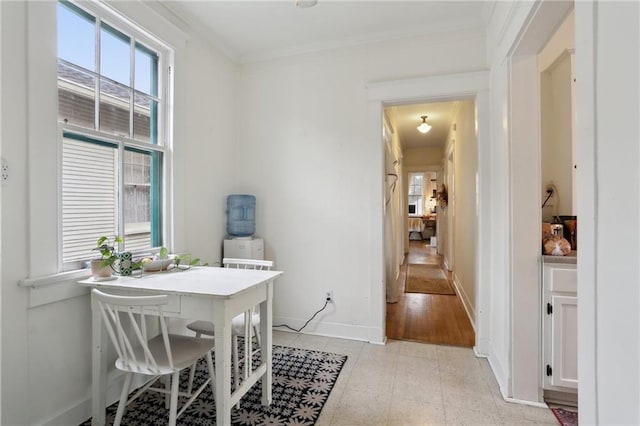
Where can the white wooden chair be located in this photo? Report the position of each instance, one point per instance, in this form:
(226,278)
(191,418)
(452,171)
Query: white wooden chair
(125,319)
(239,326)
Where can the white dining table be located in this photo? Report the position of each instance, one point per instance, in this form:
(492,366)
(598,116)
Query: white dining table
(209,293)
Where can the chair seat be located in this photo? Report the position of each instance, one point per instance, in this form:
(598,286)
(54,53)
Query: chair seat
(237,325)
(185,351)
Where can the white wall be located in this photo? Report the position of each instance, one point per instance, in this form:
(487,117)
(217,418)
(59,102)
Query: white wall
(15,378)
(556,90)
(607,61)
(505,27)
(426,157)
(465,219)
(307,156)
(614,289)
(45,355)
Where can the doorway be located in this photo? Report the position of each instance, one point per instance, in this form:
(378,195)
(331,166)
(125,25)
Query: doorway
(471,85)
(431,222)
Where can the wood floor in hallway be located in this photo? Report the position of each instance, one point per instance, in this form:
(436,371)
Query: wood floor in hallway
(428,318)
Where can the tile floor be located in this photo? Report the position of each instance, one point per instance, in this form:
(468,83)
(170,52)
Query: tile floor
(407,383)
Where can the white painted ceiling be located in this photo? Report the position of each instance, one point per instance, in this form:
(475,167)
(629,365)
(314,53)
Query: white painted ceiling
(249,31)
(255,30)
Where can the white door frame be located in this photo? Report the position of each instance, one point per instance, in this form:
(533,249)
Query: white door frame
(525,213)
(472,85)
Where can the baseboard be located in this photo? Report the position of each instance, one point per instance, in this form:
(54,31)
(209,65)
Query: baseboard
(499,372)
(561,398)
(338,330)
(525,402)
(445,262)
(468,307)
(81,410)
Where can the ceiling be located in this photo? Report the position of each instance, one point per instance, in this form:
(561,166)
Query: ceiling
(249,31)
(407,118)
(256,30)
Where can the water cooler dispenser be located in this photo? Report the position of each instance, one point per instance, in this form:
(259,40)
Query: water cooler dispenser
(241,225)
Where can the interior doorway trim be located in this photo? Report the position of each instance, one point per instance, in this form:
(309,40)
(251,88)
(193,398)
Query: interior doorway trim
(441,88)
(525,214)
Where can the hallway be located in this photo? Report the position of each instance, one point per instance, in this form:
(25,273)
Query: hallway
(427,318)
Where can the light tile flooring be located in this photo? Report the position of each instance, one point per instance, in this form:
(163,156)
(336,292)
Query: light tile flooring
(407,383)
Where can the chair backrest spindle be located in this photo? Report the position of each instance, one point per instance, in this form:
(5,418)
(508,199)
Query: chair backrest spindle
(132,347)
(261,265)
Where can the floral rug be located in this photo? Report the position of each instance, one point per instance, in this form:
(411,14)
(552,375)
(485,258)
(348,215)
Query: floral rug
(566,417)
(302,382)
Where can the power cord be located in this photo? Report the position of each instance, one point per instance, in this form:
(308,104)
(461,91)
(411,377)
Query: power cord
(326,302)
(549,194)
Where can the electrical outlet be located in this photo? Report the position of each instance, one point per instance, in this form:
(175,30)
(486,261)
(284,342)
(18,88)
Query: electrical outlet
(4,171)
(329,296)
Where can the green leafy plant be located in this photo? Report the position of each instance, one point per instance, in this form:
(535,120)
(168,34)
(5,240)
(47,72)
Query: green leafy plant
(185,261)
(108,249)
(180,261)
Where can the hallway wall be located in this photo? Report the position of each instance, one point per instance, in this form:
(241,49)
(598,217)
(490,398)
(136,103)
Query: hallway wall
(465,219)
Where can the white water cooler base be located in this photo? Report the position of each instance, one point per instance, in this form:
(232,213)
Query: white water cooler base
(244,248)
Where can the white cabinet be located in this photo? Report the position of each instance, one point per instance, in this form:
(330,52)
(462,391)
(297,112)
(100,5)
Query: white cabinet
(560,327)
(244,248)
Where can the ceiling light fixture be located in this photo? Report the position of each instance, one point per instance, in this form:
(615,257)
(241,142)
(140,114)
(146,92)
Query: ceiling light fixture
(306,3)
(424,127)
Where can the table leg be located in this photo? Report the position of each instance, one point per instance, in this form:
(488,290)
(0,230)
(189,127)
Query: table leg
(266,318)
(222,350)
(98,367)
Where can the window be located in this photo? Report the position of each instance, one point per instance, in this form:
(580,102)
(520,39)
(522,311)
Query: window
(113,112)
(416,191)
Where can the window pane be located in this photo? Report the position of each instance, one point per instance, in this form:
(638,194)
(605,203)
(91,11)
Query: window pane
(142,189)
(146,74)
(115,55)
(416,183)
(114,108)
(145,119)
(89,196)
(76,36)
(76,96)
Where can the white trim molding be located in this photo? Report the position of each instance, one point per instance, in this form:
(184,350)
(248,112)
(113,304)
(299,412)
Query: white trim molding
(470,85)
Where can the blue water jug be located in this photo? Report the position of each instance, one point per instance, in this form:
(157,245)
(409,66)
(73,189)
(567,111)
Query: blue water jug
(241,215)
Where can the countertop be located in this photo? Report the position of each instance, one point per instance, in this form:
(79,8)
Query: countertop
(571,258)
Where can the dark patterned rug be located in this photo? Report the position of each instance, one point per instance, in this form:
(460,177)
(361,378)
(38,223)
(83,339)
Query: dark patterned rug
(566,417)
(302,382)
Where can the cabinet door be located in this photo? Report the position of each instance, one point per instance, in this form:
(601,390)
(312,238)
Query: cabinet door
(564,341)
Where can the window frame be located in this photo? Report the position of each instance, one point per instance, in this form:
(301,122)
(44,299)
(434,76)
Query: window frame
(420,203)
(164,140)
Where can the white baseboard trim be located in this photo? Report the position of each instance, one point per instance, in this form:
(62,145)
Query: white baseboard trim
(482,347)
(328,329)
(499,372)
(525,402)
(81,411)
(468,307)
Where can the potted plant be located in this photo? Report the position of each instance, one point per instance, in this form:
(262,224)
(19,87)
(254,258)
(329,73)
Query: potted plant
(103,267)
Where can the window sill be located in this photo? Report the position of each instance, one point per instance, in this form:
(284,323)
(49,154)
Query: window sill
(52,279)
(55,288)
